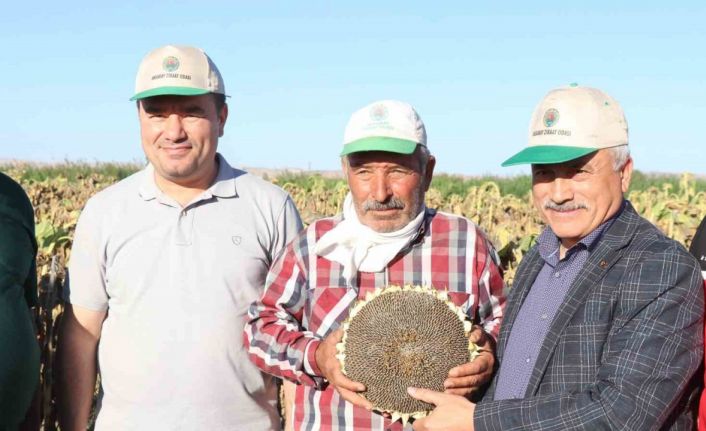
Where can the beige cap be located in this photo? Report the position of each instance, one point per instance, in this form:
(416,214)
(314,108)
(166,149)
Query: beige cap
(571,122)
(177,70)
(385,125)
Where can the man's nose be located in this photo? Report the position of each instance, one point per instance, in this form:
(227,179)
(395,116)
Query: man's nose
(562,190)
(380,188)
(174,129)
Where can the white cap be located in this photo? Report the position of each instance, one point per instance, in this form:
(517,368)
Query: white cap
(571,122)
(177,70)
(386,125)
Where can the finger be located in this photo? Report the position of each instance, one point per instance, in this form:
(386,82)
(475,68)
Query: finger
(479,365)
(428,396)
(477,334)
(334,337)
(465,382)
(338,332)
(355,399)
(340,380)
(420,424)
(460,391)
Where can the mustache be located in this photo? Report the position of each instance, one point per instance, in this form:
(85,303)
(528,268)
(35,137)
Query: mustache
(567,206)
(392,204)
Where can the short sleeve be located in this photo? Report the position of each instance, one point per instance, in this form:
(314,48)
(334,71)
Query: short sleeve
(85,281)
(288,225)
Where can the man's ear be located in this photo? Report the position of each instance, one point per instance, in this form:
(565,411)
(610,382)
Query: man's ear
(222,117)
(626,175)
(429,172)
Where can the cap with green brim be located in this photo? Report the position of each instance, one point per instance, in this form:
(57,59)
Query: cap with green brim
(380,143)
(385,125)
(174,70)
(571,122)
(547,154)
(170,91)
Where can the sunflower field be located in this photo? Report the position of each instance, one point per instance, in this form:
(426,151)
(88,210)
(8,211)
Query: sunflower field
(502,207)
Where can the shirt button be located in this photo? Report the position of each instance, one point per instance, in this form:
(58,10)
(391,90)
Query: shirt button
(544,316)
(527,360)
(557,274)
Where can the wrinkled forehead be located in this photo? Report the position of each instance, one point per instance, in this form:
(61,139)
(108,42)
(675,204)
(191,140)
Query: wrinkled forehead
(385,158)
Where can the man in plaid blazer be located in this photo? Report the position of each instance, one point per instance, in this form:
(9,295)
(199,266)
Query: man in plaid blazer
(603,327)
(698,249)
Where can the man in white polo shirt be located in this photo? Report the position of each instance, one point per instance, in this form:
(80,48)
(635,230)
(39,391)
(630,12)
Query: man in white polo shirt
(164,266)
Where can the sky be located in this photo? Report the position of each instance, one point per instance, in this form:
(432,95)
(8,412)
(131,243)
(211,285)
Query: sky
(296,70)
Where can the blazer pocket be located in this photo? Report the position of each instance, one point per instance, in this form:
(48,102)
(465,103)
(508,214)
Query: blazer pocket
(578,353)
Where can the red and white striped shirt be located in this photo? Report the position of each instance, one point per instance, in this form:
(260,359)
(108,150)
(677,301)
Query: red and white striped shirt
(306,297)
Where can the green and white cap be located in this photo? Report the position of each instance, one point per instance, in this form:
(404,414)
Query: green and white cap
(179,71)
(386,125)
(571,122)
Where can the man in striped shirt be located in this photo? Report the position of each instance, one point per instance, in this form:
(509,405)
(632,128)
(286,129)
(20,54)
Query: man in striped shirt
(386,235)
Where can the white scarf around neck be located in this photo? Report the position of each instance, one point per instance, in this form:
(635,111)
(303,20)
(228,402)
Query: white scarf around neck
(359,248)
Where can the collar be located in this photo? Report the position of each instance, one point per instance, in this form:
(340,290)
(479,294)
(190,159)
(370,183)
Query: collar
(148,189)
(424,226)
(548,243)
(223,185)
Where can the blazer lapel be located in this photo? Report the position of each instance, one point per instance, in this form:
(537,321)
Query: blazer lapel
(602,258)
(524,278)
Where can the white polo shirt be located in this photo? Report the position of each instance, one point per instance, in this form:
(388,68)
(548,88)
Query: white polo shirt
(177,283)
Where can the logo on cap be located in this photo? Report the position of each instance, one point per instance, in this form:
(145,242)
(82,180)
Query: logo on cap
(378,113)
(551,117)
(170,64)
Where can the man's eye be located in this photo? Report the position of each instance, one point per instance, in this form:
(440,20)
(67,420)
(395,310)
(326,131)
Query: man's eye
(363,173)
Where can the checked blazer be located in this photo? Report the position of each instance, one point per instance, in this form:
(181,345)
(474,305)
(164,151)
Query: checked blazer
(624,346)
